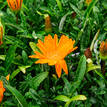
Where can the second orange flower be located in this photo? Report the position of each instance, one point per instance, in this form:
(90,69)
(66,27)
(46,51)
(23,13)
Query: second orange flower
(15,5)
(54,53)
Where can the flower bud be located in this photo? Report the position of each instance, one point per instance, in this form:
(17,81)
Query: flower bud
(88,2)
(103,50)
(88,53)
(15,5)
(1,34)
(48,27)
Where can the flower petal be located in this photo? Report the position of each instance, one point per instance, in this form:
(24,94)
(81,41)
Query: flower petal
(41,46)
(55,40)
(58,70)
(63,66)
(52,62)
(42,61)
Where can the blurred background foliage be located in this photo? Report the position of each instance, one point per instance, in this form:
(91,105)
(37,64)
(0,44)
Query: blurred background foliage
(38,83)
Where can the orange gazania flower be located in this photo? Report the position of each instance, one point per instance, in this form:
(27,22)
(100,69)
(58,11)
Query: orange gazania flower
(54,53)
(88,2)
(2,90)
(15,5)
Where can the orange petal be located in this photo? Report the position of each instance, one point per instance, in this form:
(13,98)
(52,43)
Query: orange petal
(42,61)
(55,40)
(72,49)
(58,70)
(41,46)
(52,62)
(49,43)
(32,56)
(39,55)
(63,40)
(64,66)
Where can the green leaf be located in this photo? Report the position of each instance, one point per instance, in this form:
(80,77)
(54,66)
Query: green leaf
(86,15)
(14,74)
(62,98)
(67,86)
(76,10)
(10,56)
(81,68)
(14,40)
(61,24)
(38,79)
(24,56)
(75,98)
(93,67)
(101,75)
(59,4)
(18,96)
(80,72)
(23,68)
(33,46)
(2,57)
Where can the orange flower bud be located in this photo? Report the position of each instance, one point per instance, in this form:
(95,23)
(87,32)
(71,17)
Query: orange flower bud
(1,34)
(48,27)
(2,90)
(103,50)
(88,2)
(15,5)
(7,77)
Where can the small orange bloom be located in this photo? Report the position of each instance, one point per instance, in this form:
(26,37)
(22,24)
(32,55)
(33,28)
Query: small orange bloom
(1,34)
(88,2)
(15,5)
(103,49)
(7,77)
(54,53)
(2,90)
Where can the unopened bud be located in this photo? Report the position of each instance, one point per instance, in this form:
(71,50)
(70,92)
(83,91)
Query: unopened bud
(1,34)
(48,26)
(88,53)
(103,50)
(88,2)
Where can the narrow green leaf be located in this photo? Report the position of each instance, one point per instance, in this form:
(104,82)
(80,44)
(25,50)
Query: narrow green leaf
(62,98)
(93,67)
(59,4)
(61,24)
(80,72)
(86,15)
(10,56)
(76,10)
(24,56)
(33,46)
(67,85)
(18,96)
(81,68)
(14,74)
(38,79)
(101,75)
(75,98)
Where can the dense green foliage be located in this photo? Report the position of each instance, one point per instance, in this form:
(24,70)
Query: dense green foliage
(36,85)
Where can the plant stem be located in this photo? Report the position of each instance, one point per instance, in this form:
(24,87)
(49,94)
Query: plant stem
(103,66)
(16,18)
